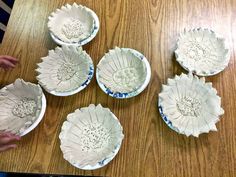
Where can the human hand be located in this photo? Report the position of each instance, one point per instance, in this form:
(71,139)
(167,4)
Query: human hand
(7,141)
(7,62)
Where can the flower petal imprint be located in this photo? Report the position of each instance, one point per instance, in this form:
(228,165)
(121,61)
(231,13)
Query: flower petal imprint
(65,71)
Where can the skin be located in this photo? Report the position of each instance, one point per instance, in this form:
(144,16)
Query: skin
(7,62)
(8,140)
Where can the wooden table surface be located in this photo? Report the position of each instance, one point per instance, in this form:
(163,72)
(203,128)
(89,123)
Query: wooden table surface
(149,148)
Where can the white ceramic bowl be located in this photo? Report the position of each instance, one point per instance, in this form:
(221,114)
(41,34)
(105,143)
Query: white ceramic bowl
(22,107)
(65,71)
(123,73)
(190,106)
(73,25)
(202,52)
(91,137)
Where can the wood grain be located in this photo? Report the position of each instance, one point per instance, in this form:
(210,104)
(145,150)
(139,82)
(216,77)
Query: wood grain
(150,148)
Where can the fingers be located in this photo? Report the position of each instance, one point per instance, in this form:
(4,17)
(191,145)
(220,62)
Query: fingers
(8,134)
(5,67)
(10,58)
(4,134)
(9,139)
(7,64)
(7,147)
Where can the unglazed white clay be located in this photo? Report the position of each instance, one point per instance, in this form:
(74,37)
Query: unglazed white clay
(20,106)
(190,104)
(64,69)
(71,23)
(24,107)
(121,71)
(90,135)
(200,51)
(73,28)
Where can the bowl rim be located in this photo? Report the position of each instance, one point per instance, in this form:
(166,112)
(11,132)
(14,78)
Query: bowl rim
(134,93)
(96,27)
